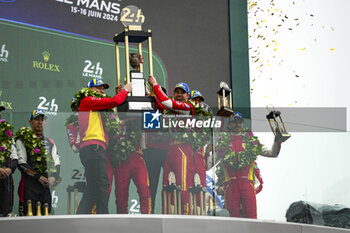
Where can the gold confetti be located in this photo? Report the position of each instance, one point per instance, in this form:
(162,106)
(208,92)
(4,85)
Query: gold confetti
(275,49)
(303,49)
(332,49)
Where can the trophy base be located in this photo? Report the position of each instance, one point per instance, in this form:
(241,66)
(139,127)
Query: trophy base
(138,104)
(225,112)
(282,137)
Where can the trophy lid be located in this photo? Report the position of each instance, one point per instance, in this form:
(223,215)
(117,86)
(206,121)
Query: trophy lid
(134,36)
(132,17)
(221,90)
(224,86)
(272,113)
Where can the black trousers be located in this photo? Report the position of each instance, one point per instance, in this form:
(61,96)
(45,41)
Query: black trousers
(5,197)
(30,189)
(93,159)
(154,159)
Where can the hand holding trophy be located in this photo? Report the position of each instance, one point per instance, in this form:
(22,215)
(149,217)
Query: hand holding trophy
(279,129)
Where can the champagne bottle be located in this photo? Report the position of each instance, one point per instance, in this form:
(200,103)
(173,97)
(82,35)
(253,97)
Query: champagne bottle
(46,207)
(38,208)
(29,208)
(211,204)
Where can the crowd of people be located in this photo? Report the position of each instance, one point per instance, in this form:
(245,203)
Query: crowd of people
(111,146)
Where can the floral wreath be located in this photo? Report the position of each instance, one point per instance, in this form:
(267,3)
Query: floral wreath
(112,121)
(6,141)
(120,149)
(123,145)
(72,120)
(252,148)
(197,137)
(41,161)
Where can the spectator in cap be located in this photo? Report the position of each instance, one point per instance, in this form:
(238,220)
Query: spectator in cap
(8,164)
(36,181)
(94,142)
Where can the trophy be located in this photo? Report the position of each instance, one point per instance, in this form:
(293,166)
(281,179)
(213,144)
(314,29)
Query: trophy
(171,191)
(224,105)
(132,19)
(197,189)
(279,129)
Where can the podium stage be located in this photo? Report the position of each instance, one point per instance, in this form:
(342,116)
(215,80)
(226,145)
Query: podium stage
(152,224)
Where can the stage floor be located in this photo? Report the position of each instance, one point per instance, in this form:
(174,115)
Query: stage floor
(152,224)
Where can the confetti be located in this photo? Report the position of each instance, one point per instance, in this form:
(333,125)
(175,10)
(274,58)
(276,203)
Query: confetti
(332,49)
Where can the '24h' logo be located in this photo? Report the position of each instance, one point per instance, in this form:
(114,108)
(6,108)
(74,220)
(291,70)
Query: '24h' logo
(4,53)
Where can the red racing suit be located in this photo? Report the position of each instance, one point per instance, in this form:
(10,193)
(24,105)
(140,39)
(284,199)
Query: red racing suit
(134,168)
(239,186)
(179,157)
(239,183)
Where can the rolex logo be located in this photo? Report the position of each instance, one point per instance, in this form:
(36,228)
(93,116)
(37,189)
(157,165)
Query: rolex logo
(45,65)
(46,56)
